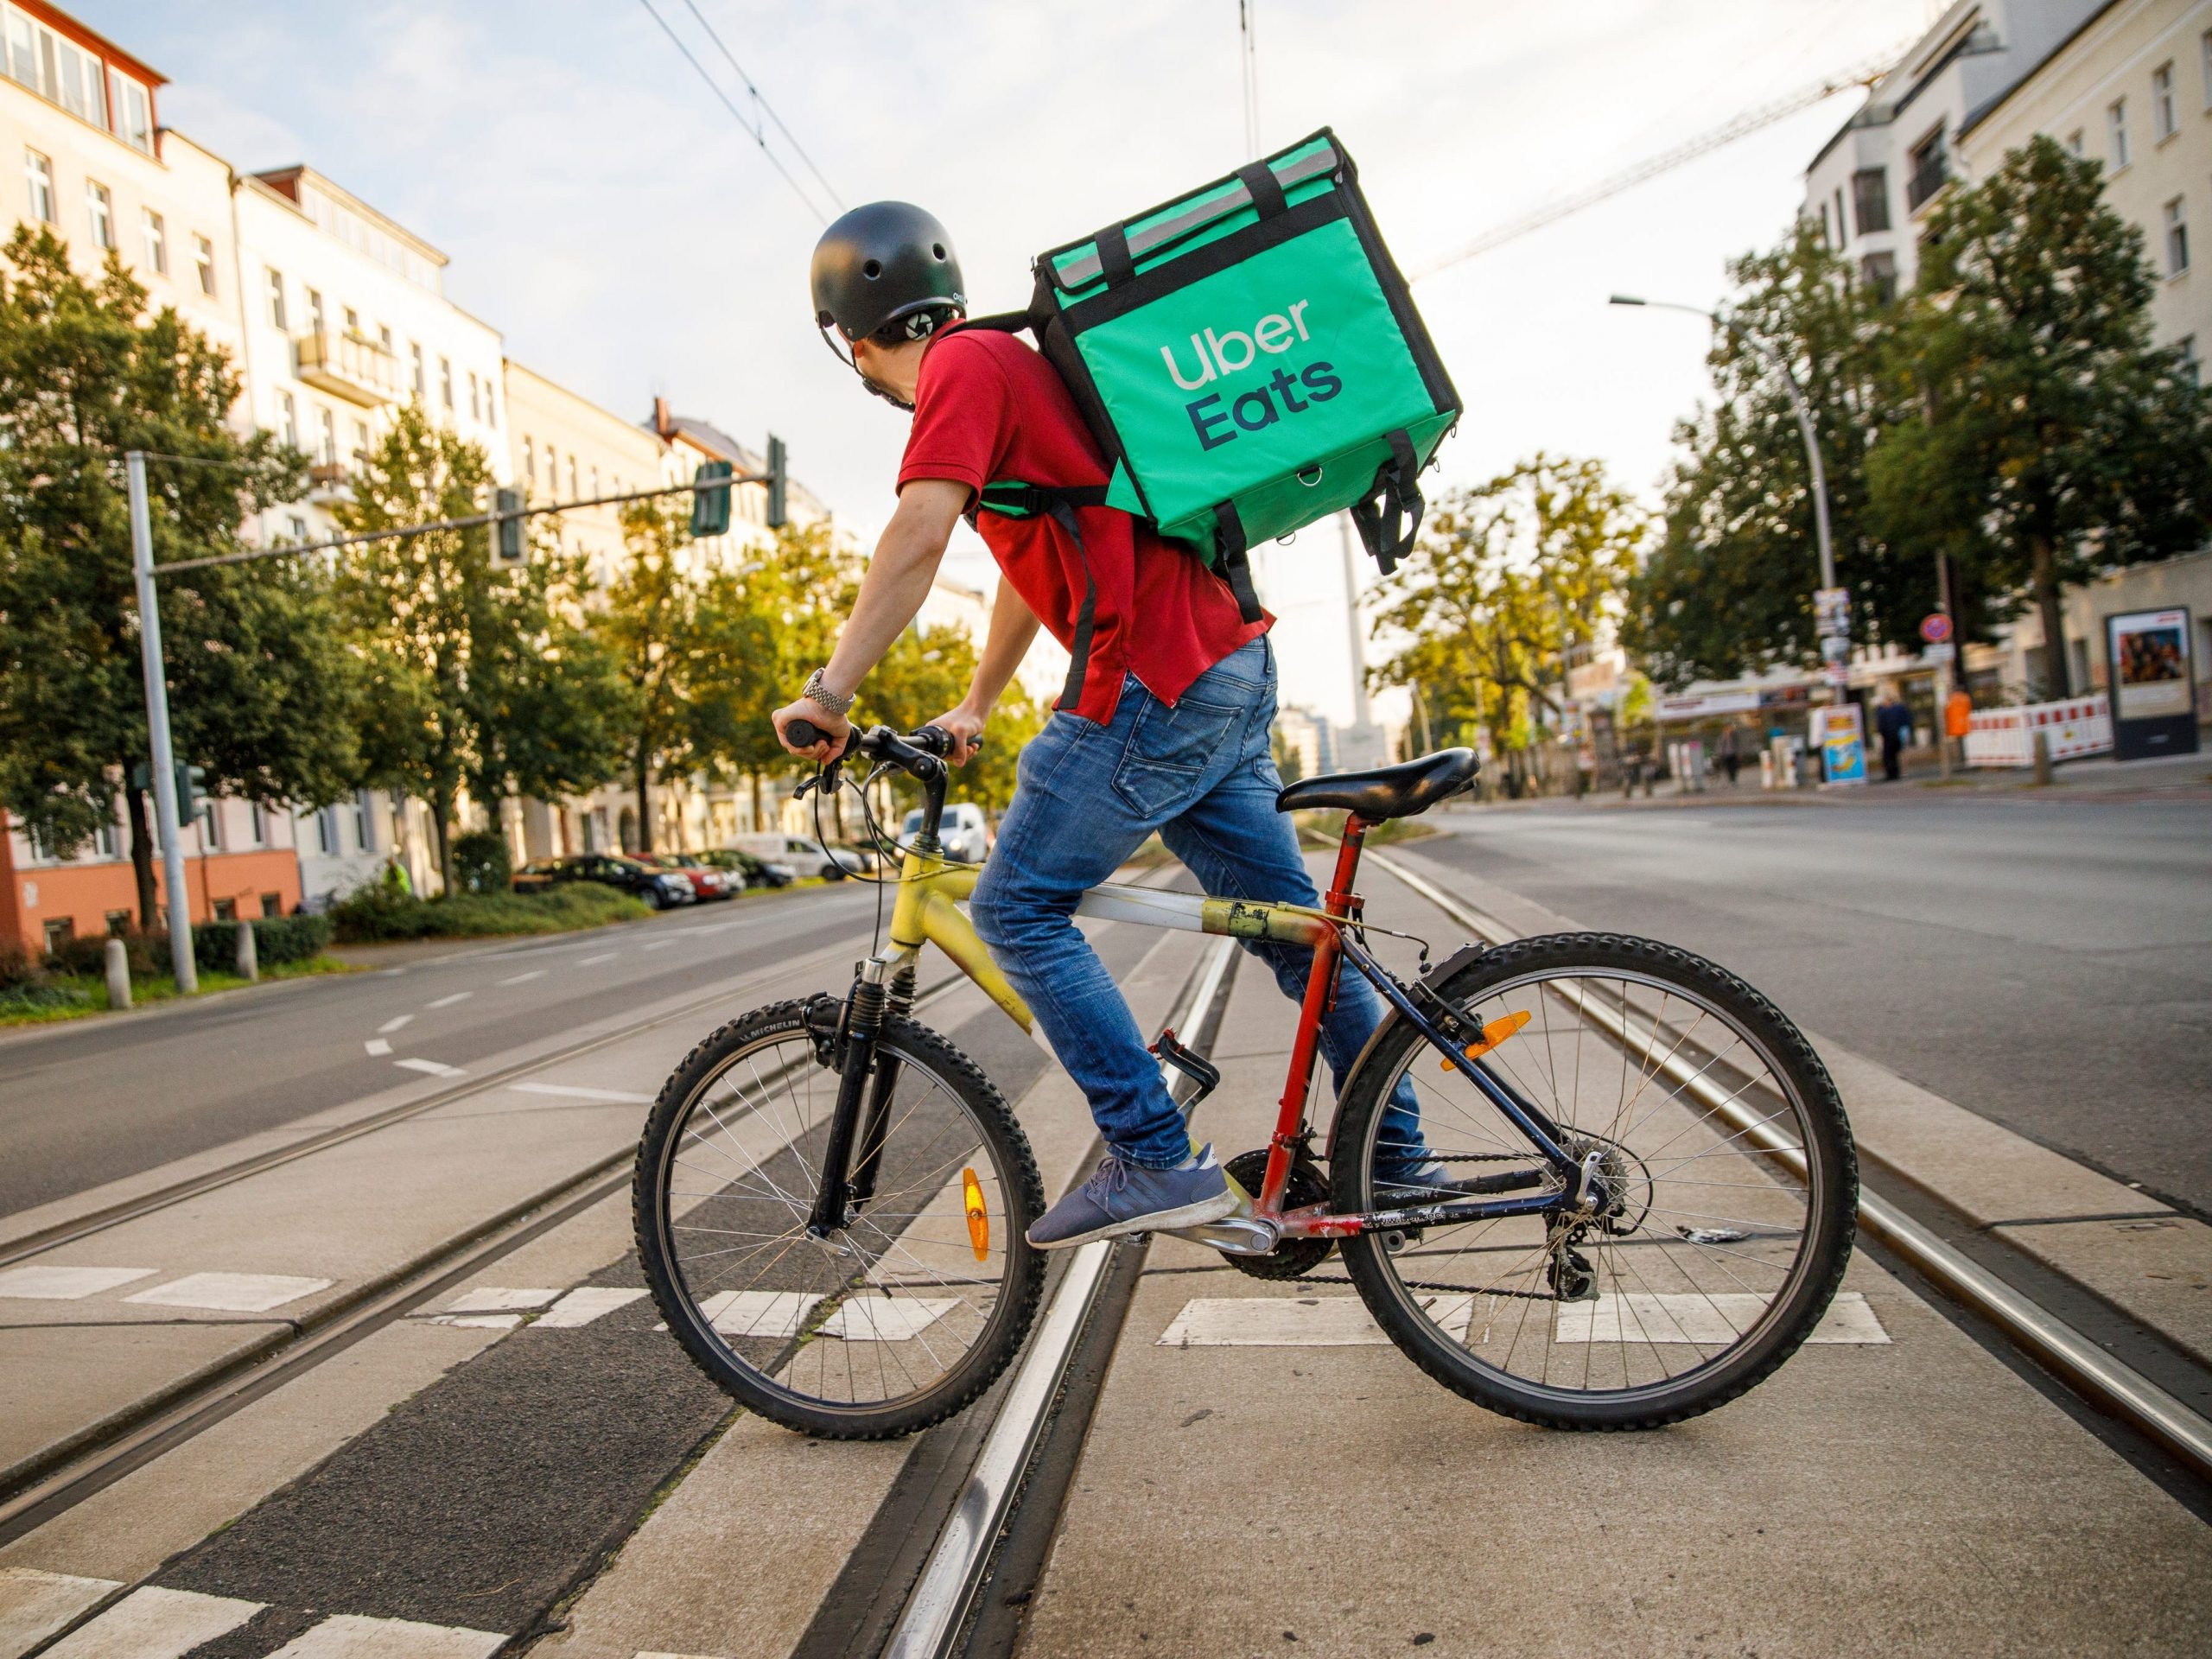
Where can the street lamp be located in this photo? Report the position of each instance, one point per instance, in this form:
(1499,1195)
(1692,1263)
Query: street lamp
(1835,648)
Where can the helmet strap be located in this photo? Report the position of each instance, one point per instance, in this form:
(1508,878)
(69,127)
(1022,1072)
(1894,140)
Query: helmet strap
(846,358)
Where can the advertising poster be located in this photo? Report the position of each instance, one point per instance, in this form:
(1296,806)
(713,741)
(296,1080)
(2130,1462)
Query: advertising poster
(2151,654)
(1841,733)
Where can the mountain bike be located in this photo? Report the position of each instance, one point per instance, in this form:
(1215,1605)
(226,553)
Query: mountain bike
(1632,1197)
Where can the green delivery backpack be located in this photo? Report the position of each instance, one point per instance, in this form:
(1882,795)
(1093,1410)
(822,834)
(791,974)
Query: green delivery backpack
(1249,359)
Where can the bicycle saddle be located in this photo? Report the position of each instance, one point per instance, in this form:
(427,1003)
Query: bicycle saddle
(1398,791)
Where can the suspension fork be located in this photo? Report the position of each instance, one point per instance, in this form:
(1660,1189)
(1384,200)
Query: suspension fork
(864,1015)
(875,1126)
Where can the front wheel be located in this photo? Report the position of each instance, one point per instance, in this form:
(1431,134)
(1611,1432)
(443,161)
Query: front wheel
(890,1322)
(1727,1184)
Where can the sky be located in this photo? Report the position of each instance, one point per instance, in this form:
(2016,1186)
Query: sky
(612,218)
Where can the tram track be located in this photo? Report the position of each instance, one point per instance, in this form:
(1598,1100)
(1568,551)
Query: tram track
(40,1489)
(2085,1368)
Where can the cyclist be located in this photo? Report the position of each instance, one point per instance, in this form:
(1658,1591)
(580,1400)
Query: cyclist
(1164,726)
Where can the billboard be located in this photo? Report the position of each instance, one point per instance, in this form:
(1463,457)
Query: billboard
(2151,656)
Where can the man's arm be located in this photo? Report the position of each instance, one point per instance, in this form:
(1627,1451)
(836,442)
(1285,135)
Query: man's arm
(1013,624)
(898,581)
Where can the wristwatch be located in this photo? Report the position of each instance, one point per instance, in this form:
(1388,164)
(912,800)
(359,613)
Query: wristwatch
(822,695)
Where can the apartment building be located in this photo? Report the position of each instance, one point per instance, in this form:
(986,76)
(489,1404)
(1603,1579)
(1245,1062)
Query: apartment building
(2131,87)
(1872,183)
(80,135)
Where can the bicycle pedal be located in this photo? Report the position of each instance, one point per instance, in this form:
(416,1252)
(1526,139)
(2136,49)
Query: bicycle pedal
(1196,1067)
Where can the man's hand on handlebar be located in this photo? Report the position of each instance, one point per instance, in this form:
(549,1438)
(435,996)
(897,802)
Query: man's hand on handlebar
(964,725)
(831,736)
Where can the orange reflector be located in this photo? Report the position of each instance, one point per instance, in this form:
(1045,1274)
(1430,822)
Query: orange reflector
(1493,1034)
(979,1220)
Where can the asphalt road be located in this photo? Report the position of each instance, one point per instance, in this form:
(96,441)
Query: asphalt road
(2047,963)
(102,1099)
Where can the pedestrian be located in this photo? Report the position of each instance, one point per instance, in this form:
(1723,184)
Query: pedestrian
(1893,721)
(1731,754)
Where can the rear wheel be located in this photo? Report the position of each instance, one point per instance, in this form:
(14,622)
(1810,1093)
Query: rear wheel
(1730,1178)
(892,1322)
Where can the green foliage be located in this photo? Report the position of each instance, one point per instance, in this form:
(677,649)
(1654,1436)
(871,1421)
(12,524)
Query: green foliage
(376,913)
(1729,589)
(2046,438)
(261,692)
(18,968)
(1507,579)
(277,940)
(481,862)
(146,953)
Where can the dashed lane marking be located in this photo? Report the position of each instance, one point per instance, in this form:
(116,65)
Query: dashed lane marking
(349,1636)
(435,1068)
(231,1293)
(525,979)
(377,1046)
(583,1304)
(593,962)
(394,1024)
(1272,1322)
(447,1002)
(156,1623)
(67,1284)
(573,1092)
(657,944)
(1343,1322)
(34,1604)
(1641,1316)
(498,1299)
(500,1308)
(781,1313)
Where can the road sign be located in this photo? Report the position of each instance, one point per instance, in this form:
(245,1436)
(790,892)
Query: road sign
(1941,651)
(1935,627)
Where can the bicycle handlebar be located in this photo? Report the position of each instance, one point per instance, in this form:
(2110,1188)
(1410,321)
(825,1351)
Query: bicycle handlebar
(880,742)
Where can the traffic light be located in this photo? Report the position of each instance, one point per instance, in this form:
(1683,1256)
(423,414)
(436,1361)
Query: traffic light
(509,546)
(710,507)
(777,479)
(191,787)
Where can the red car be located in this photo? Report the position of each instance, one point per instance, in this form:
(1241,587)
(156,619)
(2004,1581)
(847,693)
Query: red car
(707,883)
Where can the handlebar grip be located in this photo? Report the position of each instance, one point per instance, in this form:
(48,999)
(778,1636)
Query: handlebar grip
(938,741)
(804,733)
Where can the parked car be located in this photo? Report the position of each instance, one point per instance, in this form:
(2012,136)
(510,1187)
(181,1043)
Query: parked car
(808,857)
(660,888)
(756,872)
(963,830)
(707,881)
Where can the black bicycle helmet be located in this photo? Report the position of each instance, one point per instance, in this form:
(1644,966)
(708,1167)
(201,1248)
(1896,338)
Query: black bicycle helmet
(879,263)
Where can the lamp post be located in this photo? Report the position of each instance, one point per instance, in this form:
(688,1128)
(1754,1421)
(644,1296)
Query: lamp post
(1835,645)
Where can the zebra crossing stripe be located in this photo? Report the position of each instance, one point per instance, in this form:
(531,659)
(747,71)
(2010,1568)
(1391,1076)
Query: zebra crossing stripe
(34,1604)
(350,1636)
(156,1623)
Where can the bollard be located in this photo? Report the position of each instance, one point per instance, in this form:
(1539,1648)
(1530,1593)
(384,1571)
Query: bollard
(2042,758)
(118,961)
(249,958)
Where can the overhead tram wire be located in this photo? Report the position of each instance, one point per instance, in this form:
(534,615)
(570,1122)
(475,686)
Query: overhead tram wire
(1863,74)
(759,135)
(762,102)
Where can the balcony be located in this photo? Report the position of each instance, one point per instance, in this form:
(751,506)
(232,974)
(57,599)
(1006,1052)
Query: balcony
(1928,176)
(349,366)
(329,481)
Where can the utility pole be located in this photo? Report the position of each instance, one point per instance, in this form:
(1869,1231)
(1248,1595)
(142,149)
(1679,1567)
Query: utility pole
(157,728)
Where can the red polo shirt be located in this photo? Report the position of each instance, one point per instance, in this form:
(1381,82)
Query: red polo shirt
(989,408)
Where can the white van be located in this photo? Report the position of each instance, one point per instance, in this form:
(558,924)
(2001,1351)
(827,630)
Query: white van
(965,833)
(804,854)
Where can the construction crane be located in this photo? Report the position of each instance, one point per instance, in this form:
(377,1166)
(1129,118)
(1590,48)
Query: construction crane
(1864,73)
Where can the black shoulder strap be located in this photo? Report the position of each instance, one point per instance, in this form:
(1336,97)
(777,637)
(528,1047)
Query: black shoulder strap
(999,323)
(1235,560)
(1014,499)
(1390,515)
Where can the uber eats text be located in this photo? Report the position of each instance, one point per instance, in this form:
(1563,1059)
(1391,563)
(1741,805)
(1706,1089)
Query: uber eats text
(1231,353)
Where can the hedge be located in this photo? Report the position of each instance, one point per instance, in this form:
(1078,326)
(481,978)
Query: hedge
(379,913)
(276,940)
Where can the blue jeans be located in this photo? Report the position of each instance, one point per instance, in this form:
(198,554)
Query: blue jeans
(1199,772)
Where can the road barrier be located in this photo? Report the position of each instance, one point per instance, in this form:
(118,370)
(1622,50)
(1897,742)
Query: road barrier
(2073,727)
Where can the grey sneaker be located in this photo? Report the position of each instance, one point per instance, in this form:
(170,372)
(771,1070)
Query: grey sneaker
(1125,1197)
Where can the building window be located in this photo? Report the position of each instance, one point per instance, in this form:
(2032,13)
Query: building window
(157,241)
(445,380)
(2185,348)
(59,932)
(363,841)
(1828,236)
(22,50)
(594,480)
(288,421)
(211,827)
(491,406)
(272,904)
(299,527)
(133,115)
(256,825)
(101,212)
(327,432)
(2116,123)
(529,458)
(2162,102)
(360,443)
(38,173)
(1879,272)
(475,408)
(82,90)
(552,472)
(414,356)
(384,338)
(1931,169)
(2077,143)
(2204,53)
(118,923)
(2176,238)
(315,311)
(572,490)
(226,910)
(277,314)
(353,321)
(1870,198)
(203,256)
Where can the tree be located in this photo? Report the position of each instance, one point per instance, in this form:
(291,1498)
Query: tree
(2049,439)
(478,677)
(1507,578)
(261,692)
(1730,587)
